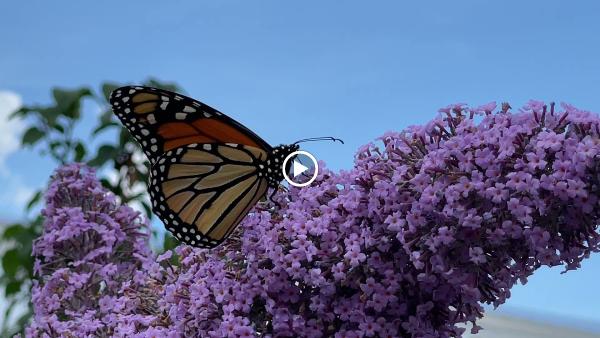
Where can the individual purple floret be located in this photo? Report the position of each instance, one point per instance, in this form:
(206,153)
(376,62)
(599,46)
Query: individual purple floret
(429,225)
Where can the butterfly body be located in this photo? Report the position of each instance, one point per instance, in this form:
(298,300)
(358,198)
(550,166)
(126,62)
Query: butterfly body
(207,170)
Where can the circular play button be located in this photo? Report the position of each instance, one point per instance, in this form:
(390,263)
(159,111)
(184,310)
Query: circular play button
(300,168)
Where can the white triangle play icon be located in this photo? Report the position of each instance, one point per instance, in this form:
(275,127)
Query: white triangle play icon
(299,168)
(295,173)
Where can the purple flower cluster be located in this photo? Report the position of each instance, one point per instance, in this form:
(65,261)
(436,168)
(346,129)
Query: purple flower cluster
(427,227)
(87,259)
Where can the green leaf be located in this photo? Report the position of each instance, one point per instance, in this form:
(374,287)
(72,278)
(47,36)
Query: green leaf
(10,262)
(170,242)
(32,136)
(50,114)
(12,287)
(13,231)
(105,183)
(104,126)
(106,116)
(124,137)
(106,152)
(108,88)
(33,201)
(114,188)
(56,144)
(20,112)
(59,128)
(68,102)
(80,152)
(147,209)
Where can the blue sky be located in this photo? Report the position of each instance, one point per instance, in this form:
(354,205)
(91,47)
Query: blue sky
(313,68)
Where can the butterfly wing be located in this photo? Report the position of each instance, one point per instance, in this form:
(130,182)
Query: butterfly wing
(161,120)
(205,176)
(203,191)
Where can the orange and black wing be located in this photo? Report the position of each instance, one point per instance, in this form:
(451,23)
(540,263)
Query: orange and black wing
(161,120)
(203,191)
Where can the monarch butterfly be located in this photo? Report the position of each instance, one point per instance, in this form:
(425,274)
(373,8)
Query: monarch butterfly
(206,170)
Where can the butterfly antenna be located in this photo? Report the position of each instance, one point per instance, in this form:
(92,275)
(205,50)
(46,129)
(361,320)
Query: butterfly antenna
(324,138)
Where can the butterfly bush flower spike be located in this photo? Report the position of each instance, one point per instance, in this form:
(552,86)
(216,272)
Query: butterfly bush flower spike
(428,226)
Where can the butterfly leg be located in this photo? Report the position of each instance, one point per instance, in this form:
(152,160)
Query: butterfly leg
(273,200)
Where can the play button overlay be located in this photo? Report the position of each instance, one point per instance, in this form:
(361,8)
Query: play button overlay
(300,168)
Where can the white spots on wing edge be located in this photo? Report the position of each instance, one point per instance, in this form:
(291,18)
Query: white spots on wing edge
(188,109)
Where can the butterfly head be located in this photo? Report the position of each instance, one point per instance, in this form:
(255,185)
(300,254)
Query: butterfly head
(274,163)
